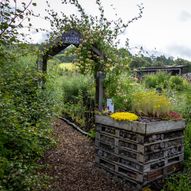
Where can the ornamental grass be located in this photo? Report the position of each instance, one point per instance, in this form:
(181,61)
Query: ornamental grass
(151,104)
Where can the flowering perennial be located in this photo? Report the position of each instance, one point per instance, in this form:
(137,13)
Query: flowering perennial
(123,116)
(174,115)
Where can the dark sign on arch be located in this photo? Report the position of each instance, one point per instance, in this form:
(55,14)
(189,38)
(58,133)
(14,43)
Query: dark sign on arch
(71,37)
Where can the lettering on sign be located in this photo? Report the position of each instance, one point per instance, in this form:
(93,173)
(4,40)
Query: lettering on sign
(71,37)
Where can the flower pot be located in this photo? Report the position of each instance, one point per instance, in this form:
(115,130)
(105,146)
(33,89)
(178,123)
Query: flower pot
(139,152)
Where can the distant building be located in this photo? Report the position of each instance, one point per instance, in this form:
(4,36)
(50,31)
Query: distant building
(173,70)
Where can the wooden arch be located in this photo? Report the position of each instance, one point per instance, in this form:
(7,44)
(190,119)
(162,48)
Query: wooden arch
(73,37)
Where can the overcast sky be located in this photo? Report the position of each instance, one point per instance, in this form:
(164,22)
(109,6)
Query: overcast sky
(164,28)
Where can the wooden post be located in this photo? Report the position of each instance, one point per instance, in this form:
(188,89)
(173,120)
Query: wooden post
(100,79)
(42,67)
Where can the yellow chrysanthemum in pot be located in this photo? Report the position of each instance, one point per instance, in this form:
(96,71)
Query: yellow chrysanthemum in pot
(124,116)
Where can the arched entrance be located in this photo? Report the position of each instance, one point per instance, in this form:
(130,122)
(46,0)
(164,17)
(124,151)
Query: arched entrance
(73,37)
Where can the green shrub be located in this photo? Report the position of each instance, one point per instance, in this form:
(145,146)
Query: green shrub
(178,83)
(186,110)
(181,181)
(158,80)
(178,182)
(182,103)
(187,142)
(25,124)
(163,80)
(150,81)
(120,89)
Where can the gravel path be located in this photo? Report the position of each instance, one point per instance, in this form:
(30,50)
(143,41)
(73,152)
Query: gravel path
(72,164)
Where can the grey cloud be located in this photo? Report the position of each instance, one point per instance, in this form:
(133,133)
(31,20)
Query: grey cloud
(38,37)
(43,37)
(180,51)
(184,16)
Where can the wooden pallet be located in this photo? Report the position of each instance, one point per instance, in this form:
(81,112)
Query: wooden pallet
(139,154)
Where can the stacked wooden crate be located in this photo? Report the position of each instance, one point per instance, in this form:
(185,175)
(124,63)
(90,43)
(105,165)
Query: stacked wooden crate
(139,152)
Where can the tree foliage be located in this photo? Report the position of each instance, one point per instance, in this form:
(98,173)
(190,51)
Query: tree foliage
(138,61)
(13,14)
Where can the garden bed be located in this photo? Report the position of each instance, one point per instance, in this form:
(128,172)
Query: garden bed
(139,152)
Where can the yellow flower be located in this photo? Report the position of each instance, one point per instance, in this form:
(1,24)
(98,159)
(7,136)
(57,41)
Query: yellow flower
(146,189)
(123,116)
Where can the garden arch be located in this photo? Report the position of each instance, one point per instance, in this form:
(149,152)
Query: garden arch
(73,37)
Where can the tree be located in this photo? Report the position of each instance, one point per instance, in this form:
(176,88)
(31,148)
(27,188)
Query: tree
(137,62)
(180,61)
(13,13)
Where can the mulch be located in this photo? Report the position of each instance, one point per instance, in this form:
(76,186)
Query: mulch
(72,164)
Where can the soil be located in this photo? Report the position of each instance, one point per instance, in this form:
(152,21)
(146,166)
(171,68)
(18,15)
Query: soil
(72,164)
(149,119)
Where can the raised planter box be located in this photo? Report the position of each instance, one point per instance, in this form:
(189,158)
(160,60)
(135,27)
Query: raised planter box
(138,152)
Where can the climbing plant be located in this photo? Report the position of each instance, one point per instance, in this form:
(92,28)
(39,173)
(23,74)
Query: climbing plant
(97,32)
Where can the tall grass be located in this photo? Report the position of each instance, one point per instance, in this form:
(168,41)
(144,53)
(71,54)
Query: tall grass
(76,88)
